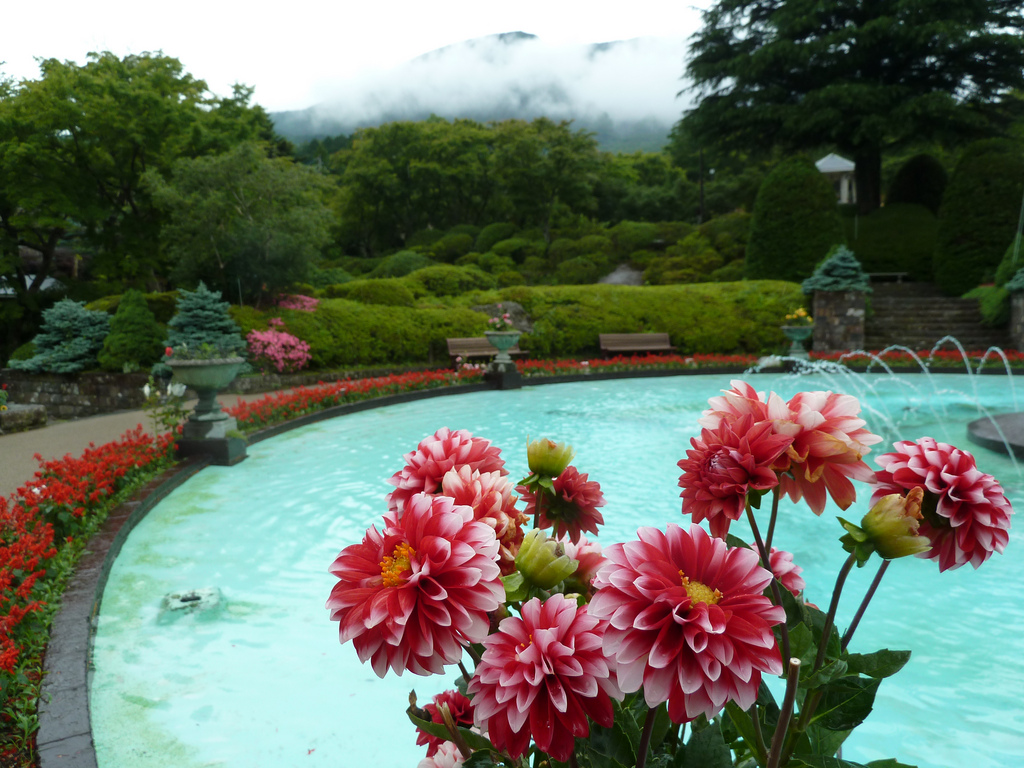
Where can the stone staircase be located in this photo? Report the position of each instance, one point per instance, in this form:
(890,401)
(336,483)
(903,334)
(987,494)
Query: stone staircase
(917,315)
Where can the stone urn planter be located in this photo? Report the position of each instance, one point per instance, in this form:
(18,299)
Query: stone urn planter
(797,335)
(207,428)
(503,341)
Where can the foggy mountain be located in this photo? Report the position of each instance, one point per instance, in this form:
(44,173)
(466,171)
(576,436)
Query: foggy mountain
(623,91)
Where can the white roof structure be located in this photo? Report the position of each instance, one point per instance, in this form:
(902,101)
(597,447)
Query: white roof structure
(833,163)
(49,284)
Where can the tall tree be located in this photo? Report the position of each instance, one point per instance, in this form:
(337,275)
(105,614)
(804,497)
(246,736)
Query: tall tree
(859,75)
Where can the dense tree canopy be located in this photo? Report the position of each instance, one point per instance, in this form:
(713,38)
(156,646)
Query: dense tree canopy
(858,76)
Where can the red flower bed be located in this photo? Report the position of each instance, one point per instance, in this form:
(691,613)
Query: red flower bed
(46,514)
(631,363)
(282,406)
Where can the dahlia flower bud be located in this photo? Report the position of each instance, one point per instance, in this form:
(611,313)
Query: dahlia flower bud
(889,528)
(547,457)
(542,561)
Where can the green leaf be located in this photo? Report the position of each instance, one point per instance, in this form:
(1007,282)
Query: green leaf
(823,676)
(889,763)
(482,758)
(802,645)
(822,741)
(474,740)
(821,761)
(879,664)
(743,722)
(706,749)
(846,702)
(516,588)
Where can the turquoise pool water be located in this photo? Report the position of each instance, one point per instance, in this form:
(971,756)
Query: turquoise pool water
(261,680)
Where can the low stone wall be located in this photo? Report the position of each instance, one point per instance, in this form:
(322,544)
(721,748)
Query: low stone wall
(272,382)
(71,396)
(18,418)
(838,320)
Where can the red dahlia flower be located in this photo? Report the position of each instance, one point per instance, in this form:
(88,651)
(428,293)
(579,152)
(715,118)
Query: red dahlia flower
(543,675)
(408,598)
(966,516)
(490,496)
(829,441)
(461,710)
(726,463)
(572,509)
(434,457)
(786,571)
(687,620)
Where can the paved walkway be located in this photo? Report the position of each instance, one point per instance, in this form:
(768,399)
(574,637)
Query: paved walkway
(56,440)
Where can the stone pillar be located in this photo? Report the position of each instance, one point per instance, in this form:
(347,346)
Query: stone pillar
(1017,319)
(838,321)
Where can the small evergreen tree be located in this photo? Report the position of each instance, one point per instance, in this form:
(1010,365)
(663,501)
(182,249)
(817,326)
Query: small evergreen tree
(202,318)
(135,338)
(841,271)
(68,340)
(979,214)
(795,223)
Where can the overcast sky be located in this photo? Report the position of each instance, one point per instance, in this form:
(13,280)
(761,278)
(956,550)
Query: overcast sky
(300,52)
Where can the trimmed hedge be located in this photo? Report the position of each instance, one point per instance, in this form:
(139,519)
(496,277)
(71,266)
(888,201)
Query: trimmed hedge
(162,305)
(699,318)
(448,280)
(389,291)
(897,238)
(135,340)
(978,219)
(345,333)
(795,222)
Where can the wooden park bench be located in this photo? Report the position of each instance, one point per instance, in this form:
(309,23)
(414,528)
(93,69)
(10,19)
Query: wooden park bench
(630,343)
(477,347)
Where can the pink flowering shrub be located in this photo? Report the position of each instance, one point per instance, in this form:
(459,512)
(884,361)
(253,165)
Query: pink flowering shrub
(573,653)
(278,349)
(298,302)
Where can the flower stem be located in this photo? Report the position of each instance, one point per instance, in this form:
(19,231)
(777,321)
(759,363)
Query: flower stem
(830,617)
(765,563)
(771,522)
(645,738)
(785,714)
(864,603)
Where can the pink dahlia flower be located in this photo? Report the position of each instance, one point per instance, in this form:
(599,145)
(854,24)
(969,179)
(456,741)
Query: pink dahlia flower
(408,598)
(966,516)
(733,404)
(786,571)
(490,496)
(572,509)
(434,457)
(687,620)
(542,676)
(829,442)
(447,755)
(461,710)
(590,558)
(724,465)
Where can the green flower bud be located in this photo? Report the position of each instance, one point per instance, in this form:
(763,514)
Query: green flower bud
(543,561)
(547,457)
(892,525)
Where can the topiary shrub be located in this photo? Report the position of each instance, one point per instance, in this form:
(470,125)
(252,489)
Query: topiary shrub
(160,304)
(447,280)
(68,340)
(518,248)
(492,263)
(692,260)
(451,246)
(730,273)
(920,181)
(509,278)
(979,214)
(321,278)
(135,339)
(629,236)
(492,234)
(388,291)
(795,222)
(401,264)
(728,234)
(580,270)
(202,318)
(840,271)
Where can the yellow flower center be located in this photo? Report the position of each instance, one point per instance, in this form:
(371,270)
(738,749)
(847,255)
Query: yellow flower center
(392,568)
(700,593)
